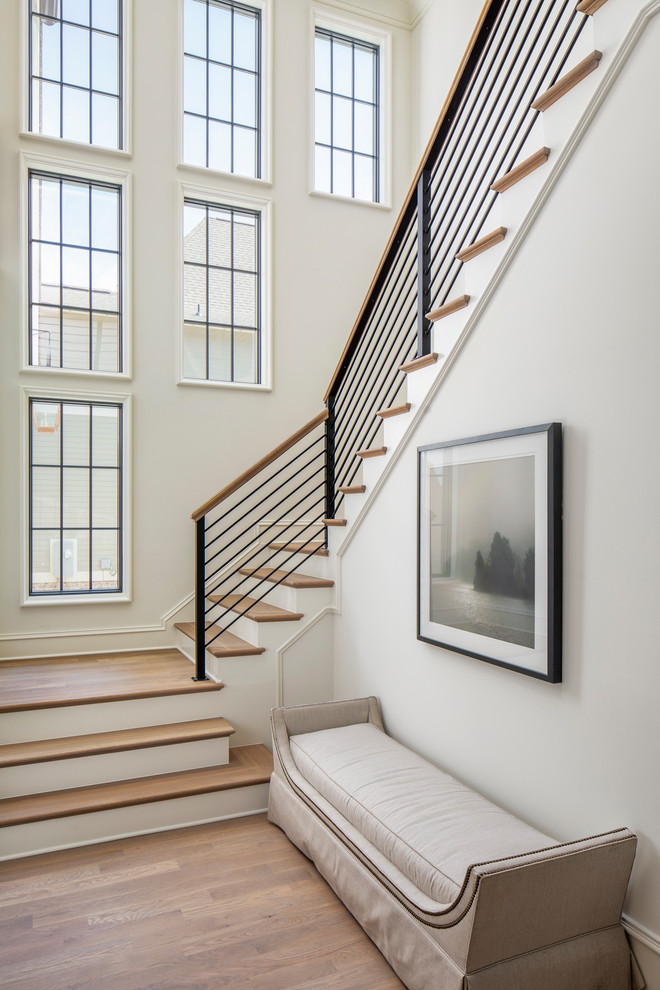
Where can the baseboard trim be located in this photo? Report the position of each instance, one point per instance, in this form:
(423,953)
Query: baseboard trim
(642,934)
(132,835)
(110,631)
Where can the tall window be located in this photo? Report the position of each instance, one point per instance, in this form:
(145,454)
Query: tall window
(74,273)
(222,86)
(75,70)
(75,497)
(346,116)
(221,293)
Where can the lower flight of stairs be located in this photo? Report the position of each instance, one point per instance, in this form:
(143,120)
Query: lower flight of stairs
(149,752)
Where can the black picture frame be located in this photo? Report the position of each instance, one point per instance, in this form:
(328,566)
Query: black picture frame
(489,561)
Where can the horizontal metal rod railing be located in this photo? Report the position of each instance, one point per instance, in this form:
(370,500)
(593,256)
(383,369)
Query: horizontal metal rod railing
(242,518)
(269,527)
(473,52)
(278,499)
(517,51)
(264,563)
(521,49)
(242,479)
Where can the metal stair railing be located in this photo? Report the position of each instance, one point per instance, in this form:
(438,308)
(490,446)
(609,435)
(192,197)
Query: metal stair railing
(518,50)
(281,500)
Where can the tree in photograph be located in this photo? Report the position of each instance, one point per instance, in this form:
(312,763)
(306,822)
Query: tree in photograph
(502,572)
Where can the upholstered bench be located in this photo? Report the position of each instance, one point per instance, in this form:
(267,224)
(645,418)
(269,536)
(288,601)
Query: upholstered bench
(455,892)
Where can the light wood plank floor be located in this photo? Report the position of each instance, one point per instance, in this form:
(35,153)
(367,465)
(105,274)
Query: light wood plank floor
(228,905)
(50,682)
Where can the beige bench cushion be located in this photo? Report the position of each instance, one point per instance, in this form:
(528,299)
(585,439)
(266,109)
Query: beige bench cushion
(428,825)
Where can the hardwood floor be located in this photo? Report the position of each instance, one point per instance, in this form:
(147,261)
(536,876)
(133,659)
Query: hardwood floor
(228,905)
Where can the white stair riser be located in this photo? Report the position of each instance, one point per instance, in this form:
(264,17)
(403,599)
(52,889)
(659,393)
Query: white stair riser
(312,564)
(372,468)
(268,635)
(419,382)
(53,723)
(352,506)
(35,778)
(305,600)
(611,23)
(65,833)
(336,536)
(480,270)
(518,199)
(394,428)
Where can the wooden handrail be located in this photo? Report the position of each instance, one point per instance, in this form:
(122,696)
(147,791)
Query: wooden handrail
(412,192)
(259,466)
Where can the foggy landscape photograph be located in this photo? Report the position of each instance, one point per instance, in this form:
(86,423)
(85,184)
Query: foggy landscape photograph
(482,548)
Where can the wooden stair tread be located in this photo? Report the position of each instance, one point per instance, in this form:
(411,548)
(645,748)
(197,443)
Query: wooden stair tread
(353,489)
(247,765)
(55,682)
(258,611)
(417,363)
(226,645)
(335,522)
(521,170)
(294,580)
(567,82)
(116,741)
(453,306)
(590,6)
(371,452)
(300,546)
(394,411)
(483,244)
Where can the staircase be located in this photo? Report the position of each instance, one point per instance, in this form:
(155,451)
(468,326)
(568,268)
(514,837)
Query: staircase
(151,751)
(269,545)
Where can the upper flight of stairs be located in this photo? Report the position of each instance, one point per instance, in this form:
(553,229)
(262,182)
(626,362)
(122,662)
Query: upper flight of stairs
(150,751)
(559,110)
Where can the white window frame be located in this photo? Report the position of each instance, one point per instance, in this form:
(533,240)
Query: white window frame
(126,84)
(330,20)
(263,207)
(64,168)
(265,179)
(56,394)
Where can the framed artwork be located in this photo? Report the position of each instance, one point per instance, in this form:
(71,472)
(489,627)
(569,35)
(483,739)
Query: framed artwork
(490,548)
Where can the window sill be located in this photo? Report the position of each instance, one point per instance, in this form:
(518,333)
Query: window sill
(349,199)
(96,149)
(242,386)
(232,176)
(38,369)
(97,598)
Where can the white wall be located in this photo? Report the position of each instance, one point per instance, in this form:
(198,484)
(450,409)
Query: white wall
(439,41)
(570,335)
(190,441)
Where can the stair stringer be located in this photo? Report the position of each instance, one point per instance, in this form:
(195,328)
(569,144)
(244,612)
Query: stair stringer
(462,323)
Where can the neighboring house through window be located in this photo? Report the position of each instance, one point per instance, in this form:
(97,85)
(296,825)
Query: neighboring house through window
(222,86)
(74,273)
(76,70)
(222,332)
(346,116)
(75,497)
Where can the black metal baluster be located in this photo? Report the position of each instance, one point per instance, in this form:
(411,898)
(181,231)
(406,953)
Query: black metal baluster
(423,262)
(330,461)
(200,593)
